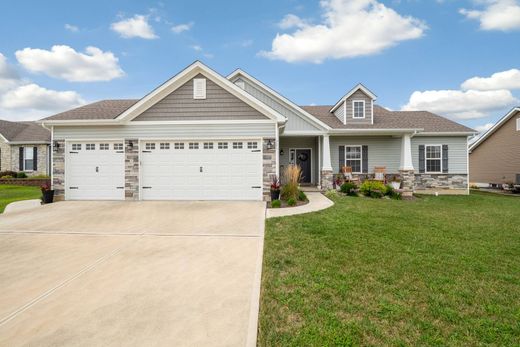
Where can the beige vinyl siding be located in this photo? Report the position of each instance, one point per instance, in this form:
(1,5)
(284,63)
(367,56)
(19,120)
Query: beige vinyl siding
(218,104)
(359,95)
(173,131)
(311,142)
(295,122)
(457,151)
(382,151)
(497,159)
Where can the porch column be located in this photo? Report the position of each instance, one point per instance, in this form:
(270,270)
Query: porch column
(326,168)
(406,169)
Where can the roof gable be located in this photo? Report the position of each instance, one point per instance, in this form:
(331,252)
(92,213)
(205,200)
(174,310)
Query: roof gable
(186,75)
(351,92)
(494,128)
(297,111)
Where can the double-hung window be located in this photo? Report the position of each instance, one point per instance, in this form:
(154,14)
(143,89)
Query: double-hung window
(353,158)
(28,159)
(358,109)
(433,157)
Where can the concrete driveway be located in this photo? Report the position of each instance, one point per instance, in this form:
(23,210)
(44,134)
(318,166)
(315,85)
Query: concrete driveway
(131,273)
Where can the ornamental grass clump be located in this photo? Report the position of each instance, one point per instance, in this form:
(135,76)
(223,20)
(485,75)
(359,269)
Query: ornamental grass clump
(291,179)
(373,189)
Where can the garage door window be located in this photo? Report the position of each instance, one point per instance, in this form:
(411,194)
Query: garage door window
(208,145)
(237,145)
(149,146)
(164,145)
(179,145)
(194,145)
(117,147)
(76,146)
(103,146)
(90,146)
(222,145)
(252,145)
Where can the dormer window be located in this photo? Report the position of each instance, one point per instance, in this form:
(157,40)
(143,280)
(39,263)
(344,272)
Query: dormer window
(358,109)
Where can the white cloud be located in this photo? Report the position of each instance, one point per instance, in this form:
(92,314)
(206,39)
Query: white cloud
(196,48)
(509,79)
(501,15)
(71,28)
(469,104)
(65,63)
(137,26)
(484,127)
(350,28)
(21,99)
(34,97)
(182,27)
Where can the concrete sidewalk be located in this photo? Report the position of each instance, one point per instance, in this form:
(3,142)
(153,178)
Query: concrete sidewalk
(317,202)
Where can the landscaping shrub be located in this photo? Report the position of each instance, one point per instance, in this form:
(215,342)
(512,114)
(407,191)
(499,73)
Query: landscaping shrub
(302,196)
(348,188)
(276,204)
(7,173)
(21,175)
(6,177)
(291,178)
(331,193)
(291,202)
(373,189)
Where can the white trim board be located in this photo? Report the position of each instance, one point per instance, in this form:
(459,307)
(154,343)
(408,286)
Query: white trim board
(494,128)
(353,109)
(352,91)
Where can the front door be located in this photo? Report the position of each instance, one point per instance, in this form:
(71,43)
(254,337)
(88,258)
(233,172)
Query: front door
(303,160)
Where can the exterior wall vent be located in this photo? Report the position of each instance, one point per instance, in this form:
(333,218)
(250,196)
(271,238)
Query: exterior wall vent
(199,88)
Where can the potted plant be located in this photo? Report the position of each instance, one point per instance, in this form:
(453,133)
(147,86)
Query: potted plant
(395,183)
(47,194)
(275,188)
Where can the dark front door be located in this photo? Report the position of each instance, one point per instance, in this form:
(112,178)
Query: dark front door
(303,160)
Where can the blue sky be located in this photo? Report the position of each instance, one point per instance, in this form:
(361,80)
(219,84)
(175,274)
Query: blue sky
(455,58)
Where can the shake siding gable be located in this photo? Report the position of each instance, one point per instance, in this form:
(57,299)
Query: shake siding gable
(359,95)
(218,104)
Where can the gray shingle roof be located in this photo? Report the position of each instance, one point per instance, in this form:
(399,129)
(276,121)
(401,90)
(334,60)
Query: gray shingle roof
(385,119)
(104,109)
(24,132)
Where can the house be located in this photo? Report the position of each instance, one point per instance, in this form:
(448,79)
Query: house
(494,158)
(202,136)
(24,146)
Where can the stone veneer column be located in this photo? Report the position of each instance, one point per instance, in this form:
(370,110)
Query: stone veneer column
(131,169)
(407,182)
(327,175)
(58,169)
(269,167)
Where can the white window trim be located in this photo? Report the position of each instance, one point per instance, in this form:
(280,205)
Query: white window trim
(360,159)
(426,159)
(23,161)
(518,124)
(199,94)
(354,113)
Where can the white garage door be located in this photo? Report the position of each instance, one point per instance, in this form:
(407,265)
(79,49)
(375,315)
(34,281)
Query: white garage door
(201,170)
(95,170)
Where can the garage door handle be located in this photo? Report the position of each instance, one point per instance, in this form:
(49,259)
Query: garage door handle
(73,188)
(147,151)
(147,187)
(256,187)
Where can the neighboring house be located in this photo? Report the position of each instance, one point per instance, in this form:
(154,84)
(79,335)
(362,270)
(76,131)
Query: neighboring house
(494,158)
(202,136)
(24,146)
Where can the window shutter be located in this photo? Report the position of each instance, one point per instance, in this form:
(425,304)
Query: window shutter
(35,158)
(199,88)
(364,158)
(445,158)
(341,157)
(20,158)
(422,163)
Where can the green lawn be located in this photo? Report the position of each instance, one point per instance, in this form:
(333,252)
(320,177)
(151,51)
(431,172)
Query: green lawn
(433,271)
(10,194)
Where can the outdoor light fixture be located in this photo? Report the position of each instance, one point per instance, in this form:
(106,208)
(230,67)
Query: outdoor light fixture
(281,151)
(270,144)
(56,146)
(131,145)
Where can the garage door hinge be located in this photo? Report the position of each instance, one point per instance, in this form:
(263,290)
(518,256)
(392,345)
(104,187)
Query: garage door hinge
(147,187)
(147,151)
(73,152)
(120,187)
(256,187)
(73,188)
(256,150)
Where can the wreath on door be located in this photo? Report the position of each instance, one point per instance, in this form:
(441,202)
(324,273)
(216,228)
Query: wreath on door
(303,157)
